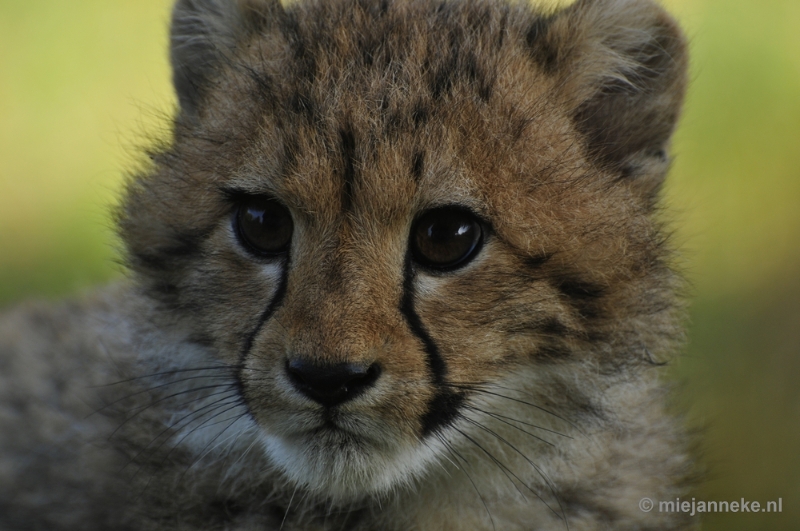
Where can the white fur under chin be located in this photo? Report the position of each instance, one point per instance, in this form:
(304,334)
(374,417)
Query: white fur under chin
(344,468)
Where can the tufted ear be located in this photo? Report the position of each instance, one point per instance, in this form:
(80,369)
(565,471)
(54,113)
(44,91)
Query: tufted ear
(622,68)
(204,33)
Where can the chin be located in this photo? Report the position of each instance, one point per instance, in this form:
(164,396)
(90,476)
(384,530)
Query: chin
(343,466)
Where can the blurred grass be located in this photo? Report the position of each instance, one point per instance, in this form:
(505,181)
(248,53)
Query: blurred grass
(74,77)
(83,83)
(735,189)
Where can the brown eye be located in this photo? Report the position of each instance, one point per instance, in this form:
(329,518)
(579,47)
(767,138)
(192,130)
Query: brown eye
(446,238)
(264,225)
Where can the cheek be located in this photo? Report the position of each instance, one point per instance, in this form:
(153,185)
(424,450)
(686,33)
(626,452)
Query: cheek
(471,346)
(227,294)
(487,318)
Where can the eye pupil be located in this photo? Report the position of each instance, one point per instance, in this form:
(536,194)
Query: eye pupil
(264,225)
(446,238)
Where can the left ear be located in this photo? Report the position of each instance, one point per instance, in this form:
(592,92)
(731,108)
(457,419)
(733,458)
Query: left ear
(203,33)
(622,66)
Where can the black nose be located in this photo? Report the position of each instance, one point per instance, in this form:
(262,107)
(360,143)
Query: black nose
(331,385)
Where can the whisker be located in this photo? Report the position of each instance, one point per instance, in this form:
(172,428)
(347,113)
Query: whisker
(501,419)
(144,408)
(504,469)
(288,508)
(137,393)
(547,480)
(208,448)
(499,416)
(204,424)
(451,450)
(215,406)
(165,373)
(247,451)
(478,389)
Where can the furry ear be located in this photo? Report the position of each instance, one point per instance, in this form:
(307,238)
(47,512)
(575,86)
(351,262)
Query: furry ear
(622,66)
(205,32)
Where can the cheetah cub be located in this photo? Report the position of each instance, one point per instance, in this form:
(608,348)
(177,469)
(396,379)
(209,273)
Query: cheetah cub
(396,269)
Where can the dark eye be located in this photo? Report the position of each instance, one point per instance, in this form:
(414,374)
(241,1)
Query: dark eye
(446,238)
(264,225)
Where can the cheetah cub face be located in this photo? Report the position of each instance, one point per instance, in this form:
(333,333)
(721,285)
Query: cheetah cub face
(414,230)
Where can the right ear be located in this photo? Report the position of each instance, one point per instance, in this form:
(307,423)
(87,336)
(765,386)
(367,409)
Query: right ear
(204,33)
(621,67)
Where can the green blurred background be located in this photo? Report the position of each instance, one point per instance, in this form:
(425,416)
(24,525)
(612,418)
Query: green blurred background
(84,84)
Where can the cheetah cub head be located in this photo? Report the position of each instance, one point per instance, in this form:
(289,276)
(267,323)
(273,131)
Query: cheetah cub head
(403,221)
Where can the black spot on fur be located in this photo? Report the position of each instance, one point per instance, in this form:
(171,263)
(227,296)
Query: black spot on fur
(442,80)
(536,261)
(367,56)
(417,165)
(551,327)
(383,105)
(446,71)
(583,296)
(301,104)
(348,146)
(552,352)
(375,51)
(305,61)
(383,8)
(554,327)
(263,84)
(420,114)
(518,126)
(393,124)
(501,34)
(579,289)
(478,78)
(375,10)
(543,53)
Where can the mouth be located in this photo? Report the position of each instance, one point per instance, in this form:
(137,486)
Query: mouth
(337,431)
(343,455)
(327,427)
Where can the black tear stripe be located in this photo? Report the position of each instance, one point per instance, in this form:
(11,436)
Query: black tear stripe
(443,407)
(274,304)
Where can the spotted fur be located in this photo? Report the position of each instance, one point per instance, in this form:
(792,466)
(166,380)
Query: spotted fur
(518,392)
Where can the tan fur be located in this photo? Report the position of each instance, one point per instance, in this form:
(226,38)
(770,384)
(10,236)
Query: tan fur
(518,392)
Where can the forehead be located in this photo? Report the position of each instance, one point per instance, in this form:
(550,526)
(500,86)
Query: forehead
(382,112)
